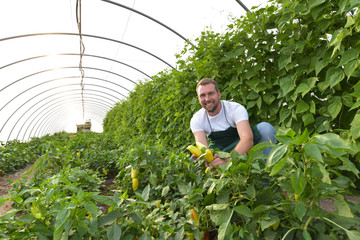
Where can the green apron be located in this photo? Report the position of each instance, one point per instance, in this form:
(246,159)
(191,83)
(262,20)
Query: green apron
(226,140)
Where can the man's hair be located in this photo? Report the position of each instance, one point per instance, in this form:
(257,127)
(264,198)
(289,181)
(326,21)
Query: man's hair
(206,81)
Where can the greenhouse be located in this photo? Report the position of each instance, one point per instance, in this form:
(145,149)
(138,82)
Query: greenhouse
(112,126)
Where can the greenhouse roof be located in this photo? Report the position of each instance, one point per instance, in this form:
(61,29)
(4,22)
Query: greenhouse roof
(63,62)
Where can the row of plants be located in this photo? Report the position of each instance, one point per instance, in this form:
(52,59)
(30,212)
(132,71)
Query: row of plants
(10,162)
(248,198)
(15,155)
(294,64)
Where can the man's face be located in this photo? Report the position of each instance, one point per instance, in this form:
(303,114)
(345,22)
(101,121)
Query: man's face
(209,98)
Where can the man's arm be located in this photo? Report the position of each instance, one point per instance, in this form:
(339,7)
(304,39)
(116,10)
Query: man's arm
(246,137)
(200,136)
(244,145)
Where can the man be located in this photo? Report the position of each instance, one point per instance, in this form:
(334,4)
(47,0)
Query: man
(225,123)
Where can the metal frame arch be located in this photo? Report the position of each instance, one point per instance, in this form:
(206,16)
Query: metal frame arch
(56,79)
(88,35)
(38,109)
(49,129)
(153,19)
(59,117)
(54,112)
(54,94)
(62,68)
(77,54)
(74,102)
(243,6)
(58,98)
(52,128)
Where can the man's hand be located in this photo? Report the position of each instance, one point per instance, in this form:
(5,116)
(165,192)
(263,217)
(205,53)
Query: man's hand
(216,162)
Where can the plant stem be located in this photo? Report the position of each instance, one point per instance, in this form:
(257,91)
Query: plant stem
(308,222)
(335,224)
(289,232)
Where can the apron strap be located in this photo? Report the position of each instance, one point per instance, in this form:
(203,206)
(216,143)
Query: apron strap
(226,140)
(207,117)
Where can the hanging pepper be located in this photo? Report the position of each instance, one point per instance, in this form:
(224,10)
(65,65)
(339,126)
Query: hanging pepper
(190,236)
(135,184)
(194,217)
(134,172)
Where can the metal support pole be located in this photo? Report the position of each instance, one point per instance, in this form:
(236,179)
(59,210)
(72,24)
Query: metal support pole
(243,6)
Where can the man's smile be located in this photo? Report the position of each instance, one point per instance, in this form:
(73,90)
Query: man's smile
(210,106)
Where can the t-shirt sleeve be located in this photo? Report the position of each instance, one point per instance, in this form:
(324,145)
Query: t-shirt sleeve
(194,125)
(197,122)
(238,113)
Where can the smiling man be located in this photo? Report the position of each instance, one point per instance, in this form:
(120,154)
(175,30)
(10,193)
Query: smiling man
(225,123)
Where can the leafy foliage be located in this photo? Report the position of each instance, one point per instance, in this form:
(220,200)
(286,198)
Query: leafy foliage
(294,64)
(16,155)
(248,198)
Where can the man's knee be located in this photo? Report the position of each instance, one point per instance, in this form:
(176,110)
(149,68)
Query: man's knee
(267,131)
(266,128)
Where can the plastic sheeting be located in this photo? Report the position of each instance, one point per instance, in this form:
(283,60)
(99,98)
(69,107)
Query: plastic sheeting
(65,61)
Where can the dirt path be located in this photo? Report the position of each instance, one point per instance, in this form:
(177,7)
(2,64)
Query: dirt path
(5,186)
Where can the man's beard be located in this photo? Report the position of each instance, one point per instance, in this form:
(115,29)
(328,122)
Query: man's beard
(213,109)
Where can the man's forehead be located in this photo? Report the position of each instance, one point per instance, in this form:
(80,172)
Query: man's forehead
(207,87)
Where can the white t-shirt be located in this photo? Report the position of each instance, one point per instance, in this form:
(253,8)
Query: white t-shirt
(235,113)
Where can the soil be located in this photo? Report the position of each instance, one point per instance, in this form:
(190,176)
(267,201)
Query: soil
(5,186)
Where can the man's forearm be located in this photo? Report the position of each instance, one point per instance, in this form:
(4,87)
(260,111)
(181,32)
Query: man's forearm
(201,137)
(244,146)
